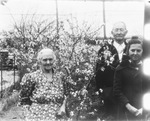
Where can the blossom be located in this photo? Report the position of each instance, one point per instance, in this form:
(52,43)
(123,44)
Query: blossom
(106,56)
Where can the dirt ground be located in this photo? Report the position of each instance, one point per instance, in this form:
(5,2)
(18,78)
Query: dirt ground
(14,114)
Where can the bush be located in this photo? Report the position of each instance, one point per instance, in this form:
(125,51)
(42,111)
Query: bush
(72,53)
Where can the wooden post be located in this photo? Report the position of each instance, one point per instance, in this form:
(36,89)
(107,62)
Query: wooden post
(1,74)
(104,21)
(57,21)
(14,68)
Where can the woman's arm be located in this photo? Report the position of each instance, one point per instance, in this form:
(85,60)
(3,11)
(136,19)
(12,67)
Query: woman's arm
(27,87)
(117,89)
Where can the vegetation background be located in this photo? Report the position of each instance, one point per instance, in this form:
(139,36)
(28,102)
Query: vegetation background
(76,50)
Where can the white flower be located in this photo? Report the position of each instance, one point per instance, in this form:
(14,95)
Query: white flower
(86,78)
(71,113)
(112,59)
(77,70)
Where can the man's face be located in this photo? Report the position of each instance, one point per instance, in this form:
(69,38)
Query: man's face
(47,62)
(119,31)
(135,52)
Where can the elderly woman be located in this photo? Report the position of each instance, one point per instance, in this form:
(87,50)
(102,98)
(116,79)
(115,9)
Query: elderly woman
(42,94)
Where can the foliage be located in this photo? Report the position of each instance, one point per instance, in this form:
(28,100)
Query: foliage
(72,52)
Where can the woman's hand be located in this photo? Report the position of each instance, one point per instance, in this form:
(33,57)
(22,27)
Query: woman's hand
(62,110)
(139,112)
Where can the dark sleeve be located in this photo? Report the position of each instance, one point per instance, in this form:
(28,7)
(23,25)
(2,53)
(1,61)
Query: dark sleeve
(98,75)
(117,89)
(146,84)
(27,87)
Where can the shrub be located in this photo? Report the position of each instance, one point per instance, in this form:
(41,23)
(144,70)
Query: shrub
(72,53)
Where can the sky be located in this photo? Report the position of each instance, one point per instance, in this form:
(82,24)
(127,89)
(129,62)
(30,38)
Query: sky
(132,13)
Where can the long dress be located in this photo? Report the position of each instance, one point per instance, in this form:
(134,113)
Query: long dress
(40,97)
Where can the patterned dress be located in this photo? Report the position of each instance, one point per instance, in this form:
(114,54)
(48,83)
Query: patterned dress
(40,97)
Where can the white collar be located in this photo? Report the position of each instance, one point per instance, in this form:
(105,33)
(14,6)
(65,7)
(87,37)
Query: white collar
(119,45)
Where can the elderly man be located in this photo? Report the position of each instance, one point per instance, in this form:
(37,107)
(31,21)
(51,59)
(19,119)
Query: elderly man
(109,56)
(42,94)
(119,32)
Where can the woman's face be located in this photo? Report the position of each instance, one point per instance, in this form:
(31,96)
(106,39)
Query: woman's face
(135,52)
(47,62)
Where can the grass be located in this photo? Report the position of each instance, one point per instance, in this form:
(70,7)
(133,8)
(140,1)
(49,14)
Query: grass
(9,96)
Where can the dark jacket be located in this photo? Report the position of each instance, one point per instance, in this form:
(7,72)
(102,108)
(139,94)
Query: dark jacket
(129,86)
(103,69)
(105,72)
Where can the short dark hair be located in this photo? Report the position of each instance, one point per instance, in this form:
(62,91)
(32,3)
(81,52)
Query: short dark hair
(133,40)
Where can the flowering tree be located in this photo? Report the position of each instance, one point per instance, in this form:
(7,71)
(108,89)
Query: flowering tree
(72,52)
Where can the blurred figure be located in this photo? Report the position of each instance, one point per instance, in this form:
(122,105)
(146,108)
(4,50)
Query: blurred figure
(42,93)
(130,83)
(109,56)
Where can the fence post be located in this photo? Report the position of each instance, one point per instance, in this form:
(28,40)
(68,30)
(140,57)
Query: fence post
(14,68)
(1,72)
